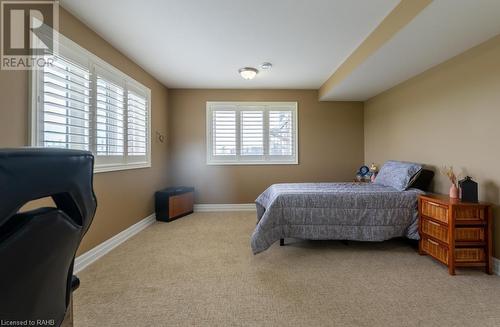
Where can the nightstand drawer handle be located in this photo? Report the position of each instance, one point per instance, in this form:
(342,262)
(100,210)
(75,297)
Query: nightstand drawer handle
(432,242)
(433,204)
(433,223)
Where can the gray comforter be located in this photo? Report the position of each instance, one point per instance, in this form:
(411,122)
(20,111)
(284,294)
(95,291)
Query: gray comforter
(334,211)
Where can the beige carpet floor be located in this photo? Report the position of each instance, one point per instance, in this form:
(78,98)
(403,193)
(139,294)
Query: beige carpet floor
(199,271)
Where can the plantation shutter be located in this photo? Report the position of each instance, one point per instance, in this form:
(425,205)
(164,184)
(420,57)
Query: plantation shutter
(224,133)
(281,133)
(252,132)
(110,116)
(137,125)
(64,121)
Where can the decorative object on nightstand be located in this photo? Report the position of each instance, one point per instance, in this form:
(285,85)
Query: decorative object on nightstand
(456,233)
(468,190)
(174,202)
(373,171)
(448,172)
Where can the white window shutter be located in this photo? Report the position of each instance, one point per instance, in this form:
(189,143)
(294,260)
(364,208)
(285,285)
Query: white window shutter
(281,133)
(110,118)
(65,106)
(137,124)
(224,133)
(252,133)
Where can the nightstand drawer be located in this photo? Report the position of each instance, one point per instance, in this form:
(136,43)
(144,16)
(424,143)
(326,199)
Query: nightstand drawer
(435,230)
(469,234)
(469,213)
(435,210)
(435,249)
(462,234)
(470,255)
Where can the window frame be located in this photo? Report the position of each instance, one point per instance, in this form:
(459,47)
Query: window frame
(75,53)
(238,159)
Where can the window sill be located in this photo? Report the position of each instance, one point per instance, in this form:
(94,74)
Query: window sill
(254,163)
(110,168)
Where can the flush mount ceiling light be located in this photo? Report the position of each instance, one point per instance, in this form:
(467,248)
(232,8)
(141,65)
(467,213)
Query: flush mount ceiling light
(248,72)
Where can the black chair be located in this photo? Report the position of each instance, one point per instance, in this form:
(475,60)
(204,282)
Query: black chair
(38,247)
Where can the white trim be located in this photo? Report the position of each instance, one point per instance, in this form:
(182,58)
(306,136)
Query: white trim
(108,168)
(496,266)
(224,207)
(91,256)
(251,163)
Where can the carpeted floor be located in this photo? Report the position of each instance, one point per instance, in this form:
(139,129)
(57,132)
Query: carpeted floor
(199,271)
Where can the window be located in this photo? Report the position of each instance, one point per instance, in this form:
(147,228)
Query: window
(251,133)
(81,102)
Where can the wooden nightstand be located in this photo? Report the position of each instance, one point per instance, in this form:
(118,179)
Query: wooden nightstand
(456,233)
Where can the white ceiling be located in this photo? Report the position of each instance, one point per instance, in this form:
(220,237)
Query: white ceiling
(442,30)
(203,43)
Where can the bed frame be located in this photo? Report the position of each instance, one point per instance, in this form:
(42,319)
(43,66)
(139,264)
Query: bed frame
(423,182)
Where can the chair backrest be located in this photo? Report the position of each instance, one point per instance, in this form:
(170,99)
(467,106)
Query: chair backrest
(38,247)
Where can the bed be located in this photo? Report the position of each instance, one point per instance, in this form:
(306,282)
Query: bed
(337,211)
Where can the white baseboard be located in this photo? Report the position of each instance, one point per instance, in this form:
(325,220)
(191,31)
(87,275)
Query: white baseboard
(496,266)
(89,257)
(224,207)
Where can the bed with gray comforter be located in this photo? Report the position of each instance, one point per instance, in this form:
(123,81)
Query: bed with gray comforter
(334,211)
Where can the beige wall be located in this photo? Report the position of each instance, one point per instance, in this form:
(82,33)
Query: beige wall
(330,144)
(449,115)
(123,197)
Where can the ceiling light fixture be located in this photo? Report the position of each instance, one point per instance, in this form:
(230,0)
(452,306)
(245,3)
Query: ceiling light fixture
(248,72)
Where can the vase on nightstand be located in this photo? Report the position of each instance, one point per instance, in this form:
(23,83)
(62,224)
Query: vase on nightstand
(453,191)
